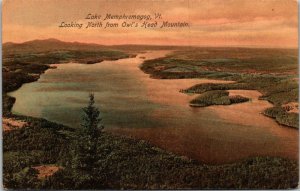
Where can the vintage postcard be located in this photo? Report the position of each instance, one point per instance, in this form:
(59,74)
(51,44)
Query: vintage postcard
(150,94)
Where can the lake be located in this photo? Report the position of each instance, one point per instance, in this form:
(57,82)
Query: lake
(132,104)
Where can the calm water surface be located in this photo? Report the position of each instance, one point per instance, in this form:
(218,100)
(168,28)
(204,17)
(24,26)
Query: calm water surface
(134,105)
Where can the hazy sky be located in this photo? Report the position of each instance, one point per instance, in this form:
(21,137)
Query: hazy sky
(270,23)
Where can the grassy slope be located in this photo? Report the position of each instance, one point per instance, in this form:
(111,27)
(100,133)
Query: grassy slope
(270,71)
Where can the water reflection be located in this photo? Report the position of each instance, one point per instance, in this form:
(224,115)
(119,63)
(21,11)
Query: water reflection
(133,104)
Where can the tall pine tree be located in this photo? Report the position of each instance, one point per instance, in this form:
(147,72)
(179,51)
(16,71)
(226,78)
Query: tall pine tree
(84,155)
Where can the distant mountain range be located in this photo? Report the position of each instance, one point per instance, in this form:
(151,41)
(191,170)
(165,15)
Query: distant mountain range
(52,44)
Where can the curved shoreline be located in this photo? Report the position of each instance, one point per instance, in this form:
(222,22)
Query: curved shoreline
(9,101)
(153,168)
(172,168)
(172,67)
(157,92)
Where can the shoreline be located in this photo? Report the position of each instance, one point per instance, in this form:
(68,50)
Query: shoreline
(173,168)
(273,88)
(196,105)
(51,67)
(147,157)
(8,101)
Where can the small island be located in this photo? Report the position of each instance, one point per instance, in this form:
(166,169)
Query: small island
(217,97)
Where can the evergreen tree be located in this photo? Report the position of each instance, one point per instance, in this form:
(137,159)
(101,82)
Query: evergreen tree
(91,124)
(84,154)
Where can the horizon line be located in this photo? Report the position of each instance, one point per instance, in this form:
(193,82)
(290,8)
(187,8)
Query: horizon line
(177,45)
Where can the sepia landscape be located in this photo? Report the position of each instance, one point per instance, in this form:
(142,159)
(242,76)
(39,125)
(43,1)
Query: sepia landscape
(114,115)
